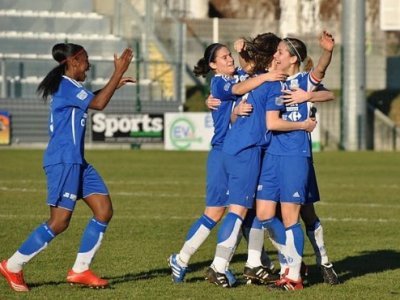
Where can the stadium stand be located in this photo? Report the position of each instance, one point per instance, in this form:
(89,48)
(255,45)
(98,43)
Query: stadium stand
(28,30)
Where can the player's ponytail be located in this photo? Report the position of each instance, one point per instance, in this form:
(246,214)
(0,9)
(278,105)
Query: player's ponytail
(307,64)
(50,83)
(202,68)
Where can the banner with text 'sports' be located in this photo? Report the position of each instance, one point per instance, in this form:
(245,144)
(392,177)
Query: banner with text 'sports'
(188,131)
(127,128)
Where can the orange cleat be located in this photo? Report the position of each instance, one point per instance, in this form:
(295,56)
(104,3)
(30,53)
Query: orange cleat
(15,280)
(87,278)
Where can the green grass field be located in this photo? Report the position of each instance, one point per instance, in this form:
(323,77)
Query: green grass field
(156,197)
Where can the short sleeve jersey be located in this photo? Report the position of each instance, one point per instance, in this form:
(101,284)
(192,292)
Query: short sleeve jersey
(249,131)
(296,142)
(67,123)
(221,88)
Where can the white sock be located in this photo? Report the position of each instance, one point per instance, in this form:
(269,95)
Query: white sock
(192,245)
(316,238)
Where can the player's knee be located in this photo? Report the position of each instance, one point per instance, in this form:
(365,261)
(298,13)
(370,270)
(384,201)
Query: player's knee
(104,215)
(57,225)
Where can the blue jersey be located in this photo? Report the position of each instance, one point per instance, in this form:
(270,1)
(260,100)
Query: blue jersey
(250,130)
(221,88)
(67,123)
(296,142)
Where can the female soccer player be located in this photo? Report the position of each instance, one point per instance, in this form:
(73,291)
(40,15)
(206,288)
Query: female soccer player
(69,176)
(287,167)
(226,86)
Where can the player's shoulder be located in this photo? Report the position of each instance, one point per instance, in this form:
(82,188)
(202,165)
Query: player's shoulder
(69,82)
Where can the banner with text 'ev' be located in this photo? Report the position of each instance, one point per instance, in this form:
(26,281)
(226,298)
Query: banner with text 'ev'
(188,131)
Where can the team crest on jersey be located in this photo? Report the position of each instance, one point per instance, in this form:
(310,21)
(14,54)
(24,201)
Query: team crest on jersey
(279,101)
(82,95)
(227,86)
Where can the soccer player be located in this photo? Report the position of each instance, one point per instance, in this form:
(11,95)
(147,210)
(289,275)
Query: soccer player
(226,86)
(69,176)
(286,170)
(314,229)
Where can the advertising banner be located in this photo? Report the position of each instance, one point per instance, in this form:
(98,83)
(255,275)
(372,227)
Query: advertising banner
(188,131)
(5,128)
(124,128)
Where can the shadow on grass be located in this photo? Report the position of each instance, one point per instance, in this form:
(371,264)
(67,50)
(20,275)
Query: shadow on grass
(146,275)
(367,262)
(350,267)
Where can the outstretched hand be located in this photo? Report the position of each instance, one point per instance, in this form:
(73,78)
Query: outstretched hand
(239,45)
(125,80)
(121,63)
(326,41)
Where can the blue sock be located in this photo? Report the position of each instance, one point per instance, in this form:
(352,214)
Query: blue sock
(92,234)
(38,239)
(90,243)
(227,228)
(227,238)
(203,220)
(275,229)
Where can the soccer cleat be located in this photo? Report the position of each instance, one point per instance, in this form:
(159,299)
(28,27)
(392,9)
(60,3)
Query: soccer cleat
(219,279)
(87,278)
(178,273)
(287,284)
(231,277)
(15,280)
(259,275)
(329,274)
(303,269)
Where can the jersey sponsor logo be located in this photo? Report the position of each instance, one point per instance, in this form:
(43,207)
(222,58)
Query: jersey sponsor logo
(294,116)
(82,95)
(292,108)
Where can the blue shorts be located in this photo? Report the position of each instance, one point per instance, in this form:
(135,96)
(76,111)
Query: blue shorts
(313,191)
(217,180)
(67,183)
(284,178)
(243,171)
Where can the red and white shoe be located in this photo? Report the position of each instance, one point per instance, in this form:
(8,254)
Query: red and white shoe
(87,278)
(287,284)
(15,280)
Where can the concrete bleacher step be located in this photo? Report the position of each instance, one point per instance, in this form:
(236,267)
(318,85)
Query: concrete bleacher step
(20,67)
(53,22)
(50,5)
(42,43)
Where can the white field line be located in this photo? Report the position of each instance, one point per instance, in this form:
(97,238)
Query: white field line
(162,217)
(157,194)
